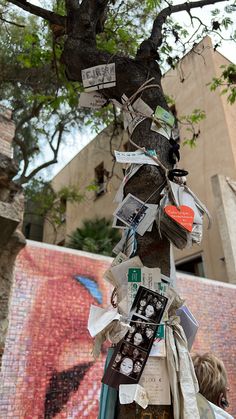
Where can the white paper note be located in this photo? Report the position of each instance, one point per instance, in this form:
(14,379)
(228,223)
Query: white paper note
(147,277)
(99,319)
(165,130)
(135,113)
(99,77)
(138,157)
(92,100)
(155,381)
(129,393)
(119,274)
(118,259)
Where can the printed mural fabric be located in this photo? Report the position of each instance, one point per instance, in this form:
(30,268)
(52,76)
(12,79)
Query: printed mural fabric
(48,316)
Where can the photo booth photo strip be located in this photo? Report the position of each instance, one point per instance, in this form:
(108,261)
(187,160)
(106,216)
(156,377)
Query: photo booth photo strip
(131,354)
(147,277)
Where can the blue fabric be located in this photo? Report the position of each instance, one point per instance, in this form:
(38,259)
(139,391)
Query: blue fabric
(108,396)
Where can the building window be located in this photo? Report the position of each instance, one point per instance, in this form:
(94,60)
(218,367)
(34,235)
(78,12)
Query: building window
(192,266)
(27,230)
(101,175)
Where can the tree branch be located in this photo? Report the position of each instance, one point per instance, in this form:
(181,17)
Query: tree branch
(11,23)
(25,179)
(50,16)
(156,34)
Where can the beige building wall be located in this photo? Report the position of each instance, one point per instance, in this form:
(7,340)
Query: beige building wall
(80,171)
(215,153)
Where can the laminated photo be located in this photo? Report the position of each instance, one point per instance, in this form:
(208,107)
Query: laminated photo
(135,213)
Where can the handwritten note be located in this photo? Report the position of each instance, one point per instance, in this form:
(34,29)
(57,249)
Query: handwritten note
(92,100)
(99,77)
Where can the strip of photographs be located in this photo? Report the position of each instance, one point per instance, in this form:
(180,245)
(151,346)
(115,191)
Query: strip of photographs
(131,353)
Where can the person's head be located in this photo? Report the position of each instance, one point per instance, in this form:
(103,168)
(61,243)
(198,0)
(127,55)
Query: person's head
(137,367)
(212,378)
(126,366)
(138,339)
(118,357)
(135,353)
(158,304)
(149,332)
(125,349)
(132,329)
(143,302)
(149,310)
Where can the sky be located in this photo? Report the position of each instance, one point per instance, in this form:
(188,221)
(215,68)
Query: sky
(76,141)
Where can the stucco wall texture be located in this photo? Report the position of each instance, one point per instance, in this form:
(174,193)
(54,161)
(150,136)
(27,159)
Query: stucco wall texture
(47,367)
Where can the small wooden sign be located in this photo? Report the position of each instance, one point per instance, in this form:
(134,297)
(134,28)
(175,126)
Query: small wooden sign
(182,215)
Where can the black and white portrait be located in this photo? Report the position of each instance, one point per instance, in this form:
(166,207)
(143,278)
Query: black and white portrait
(149,304)
(129,361)
(131,211)
(141,333)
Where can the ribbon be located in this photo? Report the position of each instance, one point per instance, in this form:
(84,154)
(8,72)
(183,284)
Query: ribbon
(130,245)
(183,381)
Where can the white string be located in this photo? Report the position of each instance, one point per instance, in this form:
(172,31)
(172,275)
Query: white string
(129,101)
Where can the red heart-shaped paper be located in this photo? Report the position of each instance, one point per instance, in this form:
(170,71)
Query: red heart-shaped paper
(182,215)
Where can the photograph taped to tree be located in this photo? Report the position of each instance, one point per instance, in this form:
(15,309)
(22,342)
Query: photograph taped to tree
(129,361)
(141,333)
(135,213)
(132,211)
(149,304)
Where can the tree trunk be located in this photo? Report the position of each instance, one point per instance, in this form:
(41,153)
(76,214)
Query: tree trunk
(80,53)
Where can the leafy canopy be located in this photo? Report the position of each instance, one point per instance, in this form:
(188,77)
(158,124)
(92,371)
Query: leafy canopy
(33,81)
